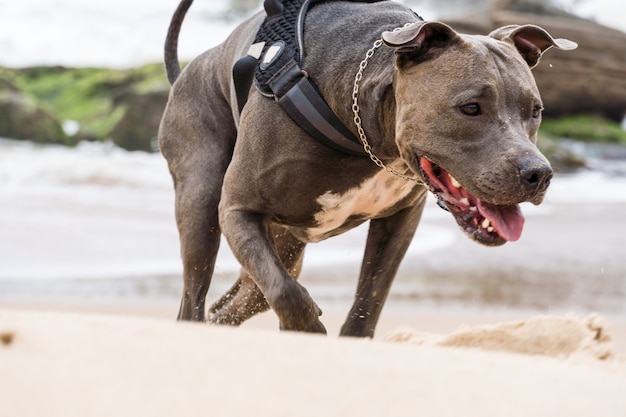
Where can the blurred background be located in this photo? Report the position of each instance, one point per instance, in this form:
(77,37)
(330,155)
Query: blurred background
(86,200)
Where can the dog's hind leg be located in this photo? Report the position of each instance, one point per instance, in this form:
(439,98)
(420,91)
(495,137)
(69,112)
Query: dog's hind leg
(198,146)
(196,216)
(240,302)
(387,242)
(245,299)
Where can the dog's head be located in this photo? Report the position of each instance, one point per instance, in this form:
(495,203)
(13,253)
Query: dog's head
(468,111)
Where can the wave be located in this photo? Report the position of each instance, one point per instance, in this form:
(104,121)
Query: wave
(125,33)
(97,211)
(95,163)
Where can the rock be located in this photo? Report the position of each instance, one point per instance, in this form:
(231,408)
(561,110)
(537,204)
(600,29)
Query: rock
(590,79)
(562,159)
(138,127)
(122,105)
(22,117)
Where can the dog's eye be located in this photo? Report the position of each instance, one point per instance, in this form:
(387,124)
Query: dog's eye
(471,109)
(537,111)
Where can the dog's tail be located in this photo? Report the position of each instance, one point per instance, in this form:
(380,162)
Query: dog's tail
(172,66)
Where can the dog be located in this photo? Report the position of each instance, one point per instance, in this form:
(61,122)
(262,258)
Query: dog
(437,111)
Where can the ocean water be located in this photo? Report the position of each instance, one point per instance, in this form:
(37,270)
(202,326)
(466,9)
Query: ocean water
(124,33)
(116,33)
(98,211)
(97,222)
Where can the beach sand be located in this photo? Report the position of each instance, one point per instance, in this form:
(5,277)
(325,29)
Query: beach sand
(138,363)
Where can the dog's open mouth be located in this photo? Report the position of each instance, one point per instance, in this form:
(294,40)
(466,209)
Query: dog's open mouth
(487,223)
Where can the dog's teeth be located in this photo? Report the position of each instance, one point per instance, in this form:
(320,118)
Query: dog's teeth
(490,229)
(486,223)
(454,182)
(465,201)
(473,209)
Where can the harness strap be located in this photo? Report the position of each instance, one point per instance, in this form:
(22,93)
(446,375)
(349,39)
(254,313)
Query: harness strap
(309,110)
(292,88)
(243,73)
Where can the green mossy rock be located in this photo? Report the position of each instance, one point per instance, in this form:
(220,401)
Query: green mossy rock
(139,120)
(22,117)
(585,128)
(124,106)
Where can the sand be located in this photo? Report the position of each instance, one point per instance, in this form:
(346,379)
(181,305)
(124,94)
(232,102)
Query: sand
(566,336)
(66,364)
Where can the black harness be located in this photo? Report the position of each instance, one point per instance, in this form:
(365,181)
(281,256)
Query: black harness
(273,64)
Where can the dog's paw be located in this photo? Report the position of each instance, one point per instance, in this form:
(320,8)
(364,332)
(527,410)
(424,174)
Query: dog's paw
(314,326)
(296,310)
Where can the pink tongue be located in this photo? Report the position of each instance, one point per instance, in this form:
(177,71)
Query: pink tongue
(507,220)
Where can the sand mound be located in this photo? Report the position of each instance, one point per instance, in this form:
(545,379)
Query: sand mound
(565,336)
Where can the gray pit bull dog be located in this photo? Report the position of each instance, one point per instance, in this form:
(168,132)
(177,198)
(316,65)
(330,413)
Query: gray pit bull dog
(458,114)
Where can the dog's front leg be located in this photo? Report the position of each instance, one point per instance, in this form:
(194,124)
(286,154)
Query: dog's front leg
(244,299)
(387,242)
(248,236)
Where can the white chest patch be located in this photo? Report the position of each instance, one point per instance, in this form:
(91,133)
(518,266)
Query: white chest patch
(368,200)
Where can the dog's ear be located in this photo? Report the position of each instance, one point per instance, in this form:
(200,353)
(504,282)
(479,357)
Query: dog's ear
(531,41)
(420,41)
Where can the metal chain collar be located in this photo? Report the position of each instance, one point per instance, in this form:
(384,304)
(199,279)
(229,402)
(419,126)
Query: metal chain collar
(357,118)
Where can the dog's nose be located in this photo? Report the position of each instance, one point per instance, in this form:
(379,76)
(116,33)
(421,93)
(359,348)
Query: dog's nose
(536,177)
